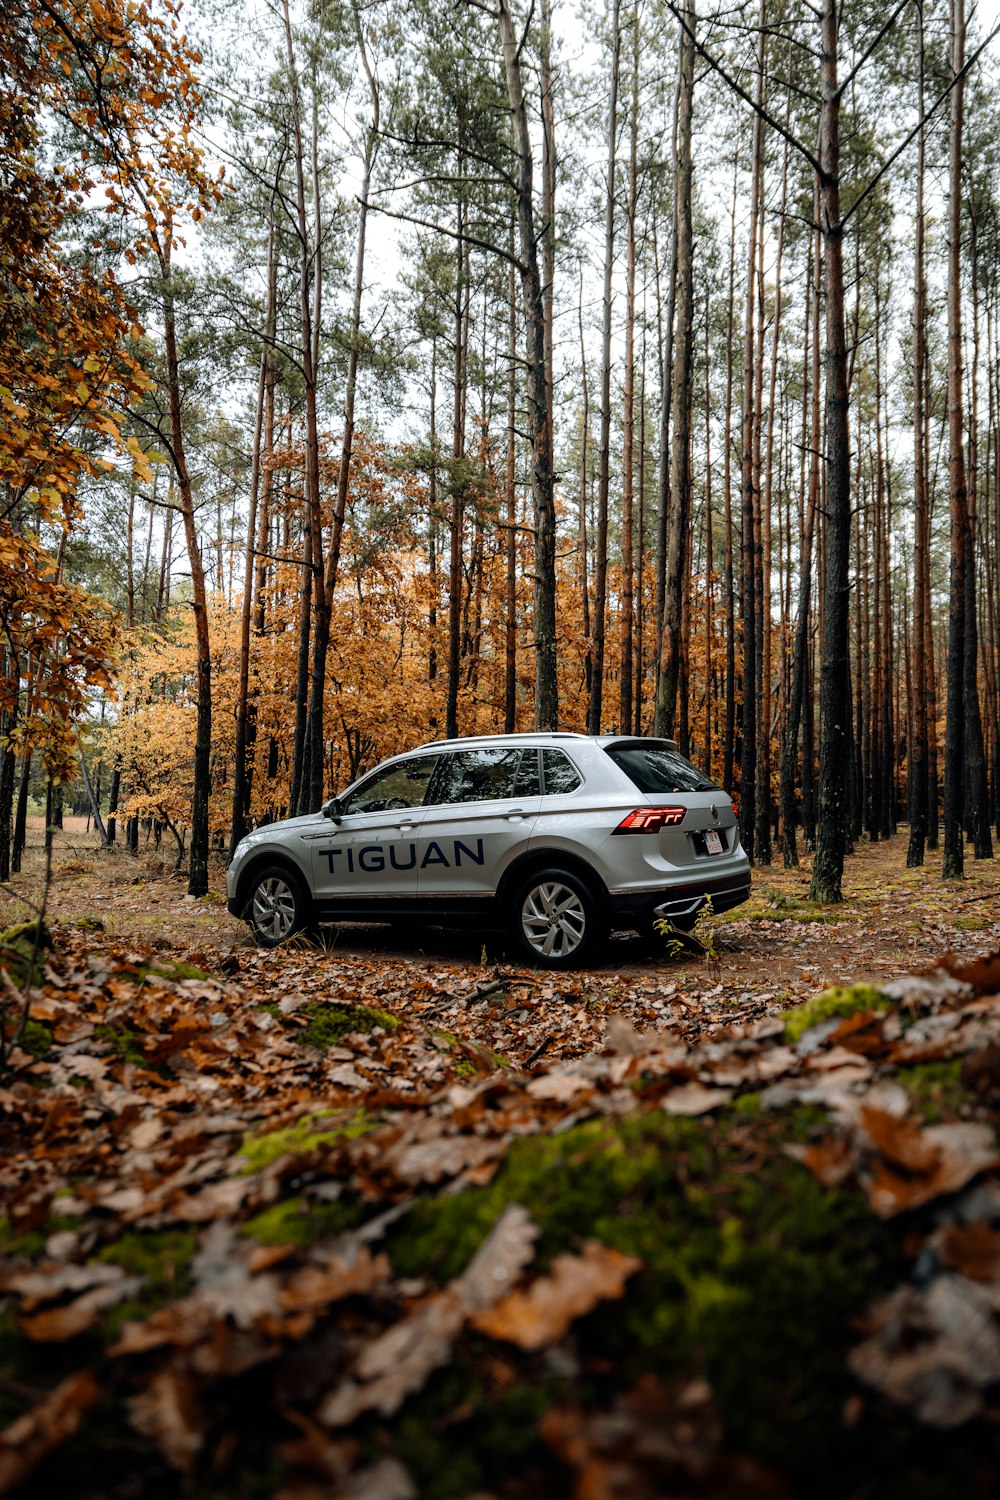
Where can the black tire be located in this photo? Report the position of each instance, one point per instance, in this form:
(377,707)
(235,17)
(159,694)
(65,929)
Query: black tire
(276,905)
(555,910)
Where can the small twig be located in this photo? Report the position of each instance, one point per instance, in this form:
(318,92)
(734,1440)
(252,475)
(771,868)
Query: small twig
(542,1046)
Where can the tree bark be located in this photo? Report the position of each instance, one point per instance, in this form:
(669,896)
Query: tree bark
(604,459)
(955,731)
(539,429)
(679,512)
(828,866)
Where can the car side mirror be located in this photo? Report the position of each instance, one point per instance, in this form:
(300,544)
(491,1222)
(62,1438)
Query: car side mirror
(333,810)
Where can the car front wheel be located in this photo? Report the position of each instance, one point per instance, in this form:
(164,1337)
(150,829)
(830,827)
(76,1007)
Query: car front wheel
(276,906)
(555,921)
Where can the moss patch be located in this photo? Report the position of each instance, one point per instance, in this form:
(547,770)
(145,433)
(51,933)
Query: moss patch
(127,1044)
(20,945)
(936,1088)
(309,1133)
(36,1039)
(296,1221)
(162,1258)
(745,1275)
(839,1000)
(970,924)
(30,1244)
(329,1023)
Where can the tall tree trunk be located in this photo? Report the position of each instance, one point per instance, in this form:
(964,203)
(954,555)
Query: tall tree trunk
(749,418)
(604,460)
(456,521)
(510,624)
(311,605)
(240,809)
(762,839)
(977,798)
(800,659)
(678,517)
(588,659)
(539,429)
(628,439)
(728,588)
(321,640)
(956,722)
(918,766)
(198,877)
(835,688)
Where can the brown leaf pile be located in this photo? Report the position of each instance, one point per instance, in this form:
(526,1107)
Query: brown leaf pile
(139,1114)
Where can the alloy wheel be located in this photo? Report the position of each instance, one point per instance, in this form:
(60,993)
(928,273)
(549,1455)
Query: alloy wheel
(553,919)
(274,908)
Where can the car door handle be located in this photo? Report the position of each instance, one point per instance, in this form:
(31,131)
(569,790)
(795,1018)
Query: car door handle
(406,827)
(515,815)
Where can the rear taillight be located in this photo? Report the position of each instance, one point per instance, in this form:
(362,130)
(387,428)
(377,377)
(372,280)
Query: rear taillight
(651,819)
(736,811)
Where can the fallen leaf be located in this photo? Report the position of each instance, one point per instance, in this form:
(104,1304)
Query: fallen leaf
(542,1314)
(168,1413)
(47,1426)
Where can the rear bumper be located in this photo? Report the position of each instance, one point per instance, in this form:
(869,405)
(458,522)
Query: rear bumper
(681,900)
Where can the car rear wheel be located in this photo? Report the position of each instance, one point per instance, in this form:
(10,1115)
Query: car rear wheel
(555,921)
(276,905)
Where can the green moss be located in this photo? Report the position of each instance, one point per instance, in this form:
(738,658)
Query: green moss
(745,1275)
(162,1258)
(23,944)
(466,1067)
(127,1044)
(29,1244)
(970,924)
(309,1133)
(329,1022)
(36,1039)
(936,1088)
(839,1000)
(500,1434)
(176,971)
(296,1221)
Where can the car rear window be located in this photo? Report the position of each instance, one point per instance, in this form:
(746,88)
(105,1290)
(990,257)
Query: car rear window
(560,773)
(657,768)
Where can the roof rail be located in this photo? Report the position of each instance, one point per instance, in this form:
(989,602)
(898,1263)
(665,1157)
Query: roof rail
(521,734)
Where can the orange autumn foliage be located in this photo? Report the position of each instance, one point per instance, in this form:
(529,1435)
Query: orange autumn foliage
(117,84)
(387,669)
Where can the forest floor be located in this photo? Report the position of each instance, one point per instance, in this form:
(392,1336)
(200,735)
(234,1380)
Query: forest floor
(764,956)
(386,1216)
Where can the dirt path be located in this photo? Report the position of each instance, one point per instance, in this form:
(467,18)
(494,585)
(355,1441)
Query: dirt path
(768,954)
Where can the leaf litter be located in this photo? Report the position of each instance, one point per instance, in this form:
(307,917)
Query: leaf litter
(194,1198)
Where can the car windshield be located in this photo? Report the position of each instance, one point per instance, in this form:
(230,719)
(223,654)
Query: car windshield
(658,768)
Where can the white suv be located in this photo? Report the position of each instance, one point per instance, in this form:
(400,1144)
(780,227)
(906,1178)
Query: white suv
(556,838)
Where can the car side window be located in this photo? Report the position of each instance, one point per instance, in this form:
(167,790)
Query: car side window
(560,774)
(487,775)
(529,780)
(401,785)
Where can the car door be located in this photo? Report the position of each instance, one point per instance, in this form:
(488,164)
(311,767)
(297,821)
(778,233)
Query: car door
(371,855)
(481,807)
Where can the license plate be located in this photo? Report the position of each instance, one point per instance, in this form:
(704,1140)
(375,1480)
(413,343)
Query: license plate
(713,843)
